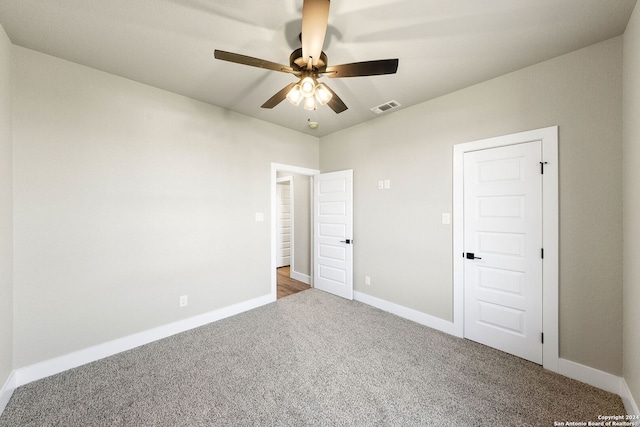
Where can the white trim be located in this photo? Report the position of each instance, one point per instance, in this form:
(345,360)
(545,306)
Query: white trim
(549,138)
(589,375)
(275,167)
(576,371)
(550,243)
(50,367)
(304,278)
(7,390)
(405,312)
(600,379)
(630,404)
(81,357)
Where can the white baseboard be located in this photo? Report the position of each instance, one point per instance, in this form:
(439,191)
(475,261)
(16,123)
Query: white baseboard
(585,374)
(6,391)
(81,357)
(602,380)
(407,313)
(591,376)
(300,277)
(630,404)
(22,376)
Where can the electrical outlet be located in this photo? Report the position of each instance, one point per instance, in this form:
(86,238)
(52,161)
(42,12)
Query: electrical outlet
(380,185)
(367,280)
(184,300)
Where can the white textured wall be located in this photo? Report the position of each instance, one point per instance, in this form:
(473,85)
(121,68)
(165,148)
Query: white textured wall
(401,242)
(127,197)
(631,197)
(6,212)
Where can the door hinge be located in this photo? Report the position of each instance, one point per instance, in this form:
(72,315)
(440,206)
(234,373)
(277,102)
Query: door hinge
(542,337)
(542,253)
(542,167)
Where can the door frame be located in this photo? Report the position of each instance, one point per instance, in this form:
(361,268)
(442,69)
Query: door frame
(550,233)
(275,168)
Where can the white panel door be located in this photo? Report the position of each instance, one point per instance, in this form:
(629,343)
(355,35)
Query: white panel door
(502,244)
(333,233)
(283,233)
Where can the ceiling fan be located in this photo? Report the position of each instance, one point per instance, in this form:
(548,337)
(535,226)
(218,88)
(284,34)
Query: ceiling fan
(309,63)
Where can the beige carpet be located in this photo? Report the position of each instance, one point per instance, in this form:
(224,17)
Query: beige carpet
(310,359)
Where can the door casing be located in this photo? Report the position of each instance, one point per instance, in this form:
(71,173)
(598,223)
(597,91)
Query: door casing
(550,270)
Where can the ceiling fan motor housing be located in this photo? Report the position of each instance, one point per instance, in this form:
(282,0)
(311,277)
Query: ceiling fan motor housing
(298,63)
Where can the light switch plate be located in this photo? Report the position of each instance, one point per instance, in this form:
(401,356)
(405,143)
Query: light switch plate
(380,185)
(387,184)
(446,218)
(259,217)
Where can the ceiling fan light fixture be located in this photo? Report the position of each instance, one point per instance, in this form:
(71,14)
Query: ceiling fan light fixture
(309,63)
(323,95)
(309,103)
(295,95)
(307,87)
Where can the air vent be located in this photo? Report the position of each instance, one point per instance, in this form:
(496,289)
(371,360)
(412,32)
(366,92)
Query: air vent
(386,107)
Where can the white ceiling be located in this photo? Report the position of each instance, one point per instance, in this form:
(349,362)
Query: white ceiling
(442,45)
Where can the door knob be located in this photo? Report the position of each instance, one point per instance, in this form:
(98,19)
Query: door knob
(471,255)
(348,241)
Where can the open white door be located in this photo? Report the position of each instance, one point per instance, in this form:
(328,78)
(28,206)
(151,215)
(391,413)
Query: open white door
(333,233)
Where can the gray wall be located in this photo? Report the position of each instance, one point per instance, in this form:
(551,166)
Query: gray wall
(405,249)
(302,221)
(127,197)
(6,212)
(631,197)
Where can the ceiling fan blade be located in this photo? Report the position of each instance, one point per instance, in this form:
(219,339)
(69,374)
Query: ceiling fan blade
(335,103)
(315,17)
(251,61)
(278,97)
(366,68)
